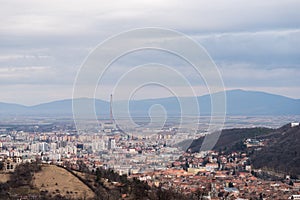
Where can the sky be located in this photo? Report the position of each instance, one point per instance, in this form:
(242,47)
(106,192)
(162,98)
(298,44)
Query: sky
(255,44)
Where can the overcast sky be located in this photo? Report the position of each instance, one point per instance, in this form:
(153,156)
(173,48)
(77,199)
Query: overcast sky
(255,44)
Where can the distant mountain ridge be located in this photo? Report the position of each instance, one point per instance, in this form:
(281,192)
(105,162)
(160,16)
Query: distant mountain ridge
(239,102)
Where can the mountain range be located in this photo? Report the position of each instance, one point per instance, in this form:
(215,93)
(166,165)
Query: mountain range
(238,102)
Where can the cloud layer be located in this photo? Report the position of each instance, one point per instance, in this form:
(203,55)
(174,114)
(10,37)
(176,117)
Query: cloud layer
(43,43)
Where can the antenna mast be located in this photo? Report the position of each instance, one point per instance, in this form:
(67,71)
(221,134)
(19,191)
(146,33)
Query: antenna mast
(111,113)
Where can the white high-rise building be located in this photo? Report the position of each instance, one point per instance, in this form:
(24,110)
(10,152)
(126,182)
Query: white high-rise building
(111,143)
(43,146)
(53,146)
(35,148)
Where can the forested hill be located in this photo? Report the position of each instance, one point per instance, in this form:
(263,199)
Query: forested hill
(230,139)
(282,154)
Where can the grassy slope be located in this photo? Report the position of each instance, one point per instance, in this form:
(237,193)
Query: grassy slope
(57,180)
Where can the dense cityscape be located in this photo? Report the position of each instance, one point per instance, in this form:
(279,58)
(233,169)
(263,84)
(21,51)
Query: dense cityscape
(151,159)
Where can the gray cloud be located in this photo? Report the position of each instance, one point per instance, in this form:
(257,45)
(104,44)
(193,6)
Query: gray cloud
(44,42)
(273,47)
